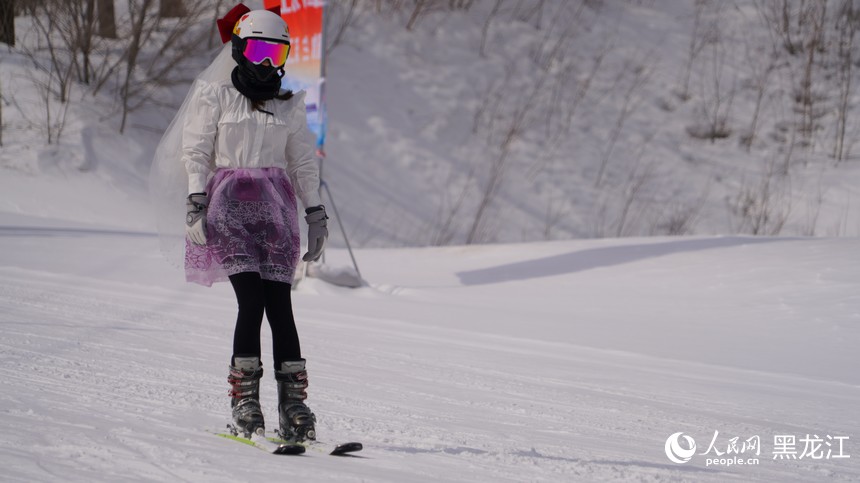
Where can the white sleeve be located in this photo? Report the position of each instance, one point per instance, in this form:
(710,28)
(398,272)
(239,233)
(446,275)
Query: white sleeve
(198,135)
(302,164)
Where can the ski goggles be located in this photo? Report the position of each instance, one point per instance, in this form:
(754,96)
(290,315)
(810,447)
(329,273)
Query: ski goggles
(258,50)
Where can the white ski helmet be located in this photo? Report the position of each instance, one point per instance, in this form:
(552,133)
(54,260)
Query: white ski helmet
(262,24)
(260,35)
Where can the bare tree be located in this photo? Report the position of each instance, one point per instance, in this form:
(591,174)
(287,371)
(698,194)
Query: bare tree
(631,100)
(171,9)
(531,11)
(449,209)
(55,121)
(498,168)
(53,54)
(679,218)
(424,7)
(820,45)
(84,27)
(813,15)
(761,67)
(763,208)
(716,99)
(106,19)
(421,7)
(556,211)
(846,26)
(66,29)
(779,17)
(583,86)
(213,31)
(144,71)
(7,22)
(389,6)
(338,18)
(507,119)
(502,131)
(813,211)
(460,4)
(486,29)
(633,192)
(138,13)
(53,86)
(698,40)
(60,64)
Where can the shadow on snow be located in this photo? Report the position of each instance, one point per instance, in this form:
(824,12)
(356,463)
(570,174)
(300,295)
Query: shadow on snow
(582,260)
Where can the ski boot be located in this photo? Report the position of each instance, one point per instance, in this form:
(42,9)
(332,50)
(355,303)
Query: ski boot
(244,379)
(295,418)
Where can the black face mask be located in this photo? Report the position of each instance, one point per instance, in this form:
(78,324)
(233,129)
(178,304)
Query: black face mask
(261,73)
(254,89)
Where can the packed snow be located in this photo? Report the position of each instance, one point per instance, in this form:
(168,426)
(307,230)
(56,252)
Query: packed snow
(557,361)
(566,360)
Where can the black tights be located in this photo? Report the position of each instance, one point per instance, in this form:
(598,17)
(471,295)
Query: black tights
(256,296)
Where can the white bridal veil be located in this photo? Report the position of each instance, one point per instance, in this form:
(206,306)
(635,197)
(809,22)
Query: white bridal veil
(168,180)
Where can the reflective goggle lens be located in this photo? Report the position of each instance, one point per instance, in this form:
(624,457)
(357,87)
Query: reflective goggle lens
(258,50)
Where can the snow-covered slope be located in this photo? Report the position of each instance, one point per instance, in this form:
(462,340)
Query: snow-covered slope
(561,361)
(416,118)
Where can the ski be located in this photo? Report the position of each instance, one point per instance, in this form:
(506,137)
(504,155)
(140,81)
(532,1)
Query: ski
(274,445)
(346,449)
(259,441)
(342,449)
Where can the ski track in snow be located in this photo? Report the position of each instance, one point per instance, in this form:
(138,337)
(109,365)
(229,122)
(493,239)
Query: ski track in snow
(115,373)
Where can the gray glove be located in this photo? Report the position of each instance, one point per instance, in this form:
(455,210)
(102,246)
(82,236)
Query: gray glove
(317,232)
(195,220)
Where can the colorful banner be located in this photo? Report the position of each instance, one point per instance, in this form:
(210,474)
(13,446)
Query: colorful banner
(304,66)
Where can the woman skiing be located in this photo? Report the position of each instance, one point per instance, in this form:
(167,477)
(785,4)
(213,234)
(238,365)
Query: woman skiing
(248,153)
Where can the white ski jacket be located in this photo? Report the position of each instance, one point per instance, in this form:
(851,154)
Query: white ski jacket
(222,130)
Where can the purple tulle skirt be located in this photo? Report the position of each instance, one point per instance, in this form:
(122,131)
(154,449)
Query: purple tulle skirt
(252,226)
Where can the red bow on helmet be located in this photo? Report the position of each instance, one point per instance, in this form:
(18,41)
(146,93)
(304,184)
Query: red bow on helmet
(226,23)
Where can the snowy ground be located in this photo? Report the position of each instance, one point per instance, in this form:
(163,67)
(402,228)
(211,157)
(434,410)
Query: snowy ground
(562,361)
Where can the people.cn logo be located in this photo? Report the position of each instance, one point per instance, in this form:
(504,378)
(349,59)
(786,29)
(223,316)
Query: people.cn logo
(674,450)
